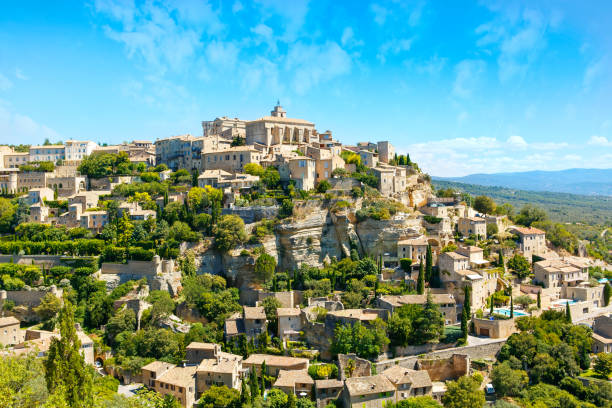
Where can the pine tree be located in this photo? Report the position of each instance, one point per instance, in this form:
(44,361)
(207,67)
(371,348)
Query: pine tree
(65,367)
(568,314)
(539,300)
(429,265)
(421,280)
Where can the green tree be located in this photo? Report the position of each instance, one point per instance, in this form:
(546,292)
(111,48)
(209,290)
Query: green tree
(323,186)
(607,292)
(123,320)
(508,381)
(253,169)
(500,260)
(276,398)
(271,178)
(484,204)
(286,209)
(539,301)
(7,214)
(463,393)
(220,397)
(418,402)
(603,364)
(49,307)
(264,267)
(429,327)
(568,313)
(530,214)
(429,273)
(65,367)
(421,280)
(187,263)
(519,265)
(229,232)
(162,305)
(125,229)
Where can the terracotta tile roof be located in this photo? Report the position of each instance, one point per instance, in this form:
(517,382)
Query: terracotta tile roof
(276,361)
(528,231)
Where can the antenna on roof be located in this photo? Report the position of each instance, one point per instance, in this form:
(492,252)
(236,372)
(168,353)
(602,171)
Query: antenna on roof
(278,102)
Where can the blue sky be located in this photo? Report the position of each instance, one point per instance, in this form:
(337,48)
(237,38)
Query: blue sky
(463,87)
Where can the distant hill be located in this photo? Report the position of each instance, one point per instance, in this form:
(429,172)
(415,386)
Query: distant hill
(561,207)
(573,181)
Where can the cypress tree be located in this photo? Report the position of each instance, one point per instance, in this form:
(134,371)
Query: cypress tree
(568,314)
(539,301)
(263,377)
(244,394)
(65,367)
(421,280)
(511,306)
(253,384)
(607,292)
(291,401)
(491,300)
(428,265)
(467,301)
(500,261)
(464,324)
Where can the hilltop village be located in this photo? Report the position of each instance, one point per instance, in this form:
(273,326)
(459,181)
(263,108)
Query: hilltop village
(265,263)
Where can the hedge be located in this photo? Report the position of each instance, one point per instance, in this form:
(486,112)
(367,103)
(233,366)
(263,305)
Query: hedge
(75,247)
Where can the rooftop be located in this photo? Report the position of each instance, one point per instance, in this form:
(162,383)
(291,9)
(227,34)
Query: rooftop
(399,300)
(360,314)
(331,383)
(288,378)
(402,375)
(276,361)
(256,312)
(373,384)
(181,376)
(194,345)
(8,321)
(528,231)
(288,311)
(454,255)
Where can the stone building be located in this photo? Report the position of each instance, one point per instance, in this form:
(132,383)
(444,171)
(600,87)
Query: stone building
(414,248)
(279,129)
(602,334)
(10,332)
(274,364)
(289,323)
(472,226)
(225,127)
(223,369)
(232,159)
(375,391)
(408,383)
(532,241)
(50,153)
(559,273)
(169,379)
(327,391)
(75,151)
(445,301)
(386,151)
(296,382)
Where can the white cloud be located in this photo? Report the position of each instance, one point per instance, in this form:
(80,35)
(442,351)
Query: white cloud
(592,72)
(315,63)
(393,47)
(348,38)
(467,73)
(20,75)
(380,13)
(20,128)
(519,35)
(222,54)
(572,157)
(5,83)
(237,7)
(517,141)
(596,140)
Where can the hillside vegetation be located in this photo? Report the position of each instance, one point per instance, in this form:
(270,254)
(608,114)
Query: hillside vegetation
(561,207)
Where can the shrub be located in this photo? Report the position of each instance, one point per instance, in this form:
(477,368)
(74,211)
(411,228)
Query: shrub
(405,264)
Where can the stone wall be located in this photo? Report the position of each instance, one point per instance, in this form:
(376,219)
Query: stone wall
(474,352)
(30,298)
(253,214)
(47,260)
(446,369)
(360,366)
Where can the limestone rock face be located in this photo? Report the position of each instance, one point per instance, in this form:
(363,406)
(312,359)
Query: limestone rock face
(307,239)
(380,236)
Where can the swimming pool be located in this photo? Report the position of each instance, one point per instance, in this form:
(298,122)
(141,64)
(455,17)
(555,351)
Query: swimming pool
(562,302)
(506,312)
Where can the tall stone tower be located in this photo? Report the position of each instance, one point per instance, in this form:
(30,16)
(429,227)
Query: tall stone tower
(278,111)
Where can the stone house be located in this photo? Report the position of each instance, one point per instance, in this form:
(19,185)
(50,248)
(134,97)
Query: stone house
(414,248)
(327,391)
(495,329)
(39,213)
(10,332)
(278,129)
(94,220)
(472,226)
(386,151)
(296,382)
(532,241)
(474,254)
(232,159)
(195,352)
(451,262)
(351,316)
(300,169)
(251,322)
(374,391)
(168,379)
(39,195)
(602,334)
(274,364)
(558,273)
(408,383)
(289,323)
(223,369)
(446,303)
(368,158)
